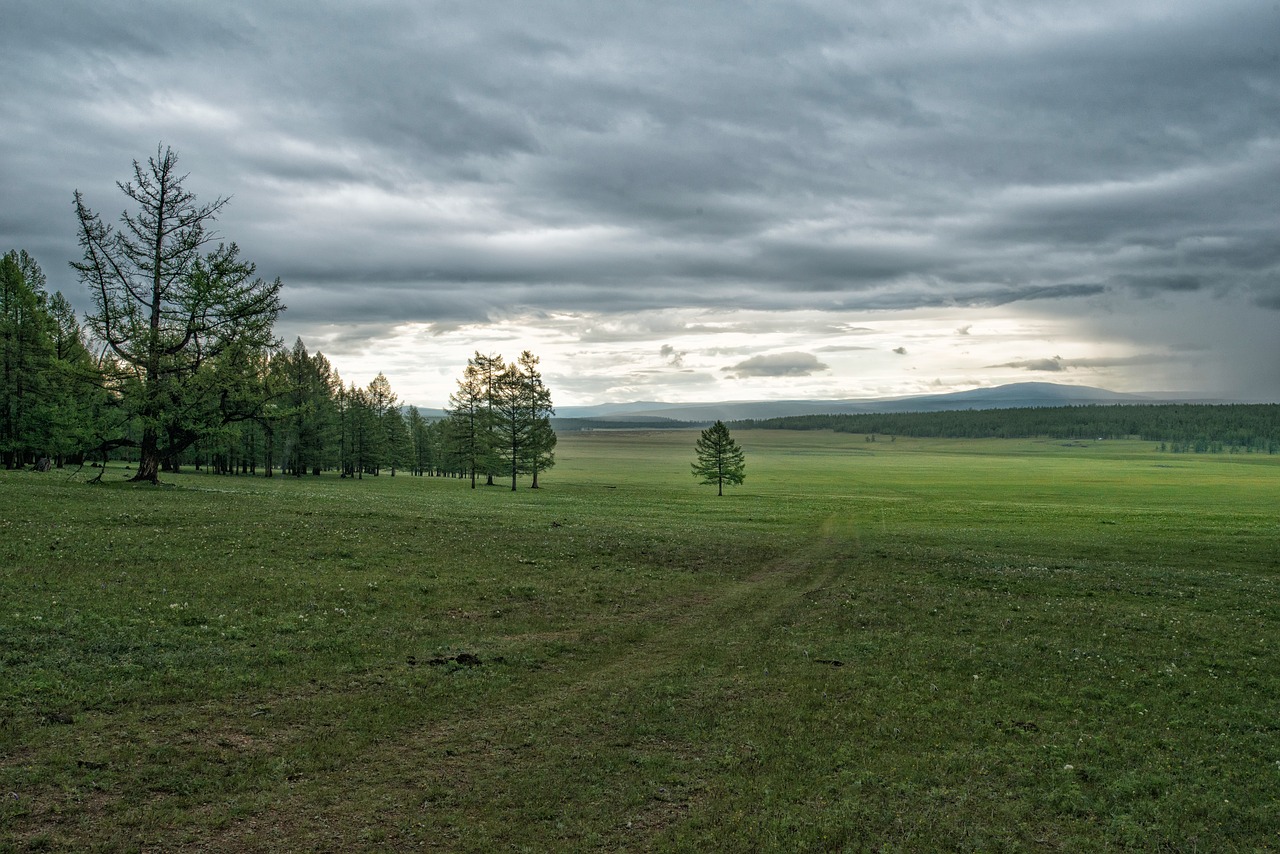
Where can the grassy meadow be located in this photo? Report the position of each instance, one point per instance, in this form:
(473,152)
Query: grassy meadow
(895,646)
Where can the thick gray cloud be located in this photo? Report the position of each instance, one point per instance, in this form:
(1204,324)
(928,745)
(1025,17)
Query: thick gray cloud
(452,164)
(1057,364)
(777,365)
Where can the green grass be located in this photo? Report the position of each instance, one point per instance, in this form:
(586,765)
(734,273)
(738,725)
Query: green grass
(910,645)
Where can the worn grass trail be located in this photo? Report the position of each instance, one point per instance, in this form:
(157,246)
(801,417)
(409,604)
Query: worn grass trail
(967,646)
(624,738)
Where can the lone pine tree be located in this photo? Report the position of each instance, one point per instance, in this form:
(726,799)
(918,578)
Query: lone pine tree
(720,460)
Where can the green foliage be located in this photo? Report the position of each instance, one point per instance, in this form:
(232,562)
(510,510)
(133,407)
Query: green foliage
(399,454)
(52,397)
(488,370)
(538,451)
(471,439)
(422,447)
(720,460)
(523,438)
(872,645)
(384,441)
(306,414)
(500,419)
(26,357)
(366,436)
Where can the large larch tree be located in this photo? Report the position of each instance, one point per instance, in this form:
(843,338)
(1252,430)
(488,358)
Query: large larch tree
(168,306)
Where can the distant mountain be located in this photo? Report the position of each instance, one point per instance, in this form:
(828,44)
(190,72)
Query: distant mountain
(611,410)
(1013,396)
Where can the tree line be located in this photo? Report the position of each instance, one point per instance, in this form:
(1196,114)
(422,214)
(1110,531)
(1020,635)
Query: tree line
(177,364)
(52,400)
(1177,428)
(500,418)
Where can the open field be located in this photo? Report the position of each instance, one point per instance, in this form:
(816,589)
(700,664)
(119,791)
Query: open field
(912,645)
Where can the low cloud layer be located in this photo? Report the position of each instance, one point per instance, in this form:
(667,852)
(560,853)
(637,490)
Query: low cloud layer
(777,365)
(1105,170)
(1058,364)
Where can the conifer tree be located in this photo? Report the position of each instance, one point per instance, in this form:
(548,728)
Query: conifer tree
(540,441)
(79,406)
(399,453)
(53,402)
(490,370)
(26,355)
(720,460)
(510,425)
(468,422)
(364,431)
(423,457)
(522,421)
(167,306)
(382,403)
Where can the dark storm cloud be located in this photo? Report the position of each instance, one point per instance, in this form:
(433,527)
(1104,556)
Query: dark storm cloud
(449,163)
(1046,292)
(1058,364)
(1271,301)
(1046,365)
(1153,285)
(777,365)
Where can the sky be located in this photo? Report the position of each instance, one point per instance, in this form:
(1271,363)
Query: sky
(695,201)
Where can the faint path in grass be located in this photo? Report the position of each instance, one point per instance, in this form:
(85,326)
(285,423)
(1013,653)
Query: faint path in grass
(612,742)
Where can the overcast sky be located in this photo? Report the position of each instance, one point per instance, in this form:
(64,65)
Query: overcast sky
(696,201)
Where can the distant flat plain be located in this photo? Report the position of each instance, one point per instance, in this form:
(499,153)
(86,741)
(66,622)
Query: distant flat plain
(890,645)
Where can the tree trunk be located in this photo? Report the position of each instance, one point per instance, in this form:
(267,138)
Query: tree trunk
(148,458)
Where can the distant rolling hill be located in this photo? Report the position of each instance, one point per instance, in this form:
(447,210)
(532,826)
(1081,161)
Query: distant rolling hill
(1013,396)
(656,415)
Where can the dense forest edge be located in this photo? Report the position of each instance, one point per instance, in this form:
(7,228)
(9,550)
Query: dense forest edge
(1177,428)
